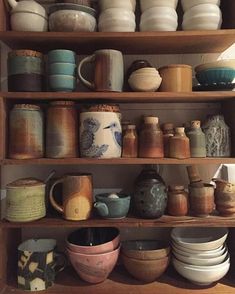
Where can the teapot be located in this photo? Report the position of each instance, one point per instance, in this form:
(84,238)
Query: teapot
(28,15)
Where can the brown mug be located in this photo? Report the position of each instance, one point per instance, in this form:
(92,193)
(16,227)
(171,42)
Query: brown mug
(77,196)
(108,73)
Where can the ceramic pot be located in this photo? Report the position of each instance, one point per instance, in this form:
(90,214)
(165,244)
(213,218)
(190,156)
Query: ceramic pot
(24,64)
(224,186)
(179,145)
(177,203)
(146,4)
(197,140)
(130,142)
(168,132)
(150,195)
(100,135)
(27,82)
(125,4)
(61,56)
(112,205)
(225,203)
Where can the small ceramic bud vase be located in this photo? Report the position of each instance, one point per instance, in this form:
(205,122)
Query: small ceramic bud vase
(130,142)
(179,145)
(197,140)
(168,132)
(177,202)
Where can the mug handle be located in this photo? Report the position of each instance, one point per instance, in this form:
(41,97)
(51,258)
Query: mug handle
(87,59)
(64,262)
(57,207)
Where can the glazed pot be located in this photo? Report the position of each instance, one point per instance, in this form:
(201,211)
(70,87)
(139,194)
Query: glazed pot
(24,64)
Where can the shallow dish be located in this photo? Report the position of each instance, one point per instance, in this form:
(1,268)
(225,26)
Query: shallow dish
(215,76)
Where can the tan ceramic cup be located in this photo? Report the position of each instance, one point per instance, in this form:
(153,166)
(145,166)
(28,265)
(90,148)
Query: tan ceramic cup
(77,197)
(108,72)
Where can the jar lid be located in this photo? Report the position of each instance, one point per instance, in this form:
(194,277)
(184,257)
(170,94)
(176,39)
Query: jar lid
(62,103)
(25,52)
(176,187)
(26,182)
(176,66)
(151,119)
(179,130)
(27,106)
(101,108)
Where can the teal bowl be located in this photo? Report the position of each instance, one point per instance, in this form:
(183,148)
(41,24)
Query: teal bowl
(61,55)
(24,64)
(62,83)
(213,76)
(62,69)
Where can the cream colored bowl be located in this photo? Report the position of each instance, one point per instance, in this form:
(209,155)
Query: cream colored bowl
(125,4)
(146,4)
(229,63)
(187,4)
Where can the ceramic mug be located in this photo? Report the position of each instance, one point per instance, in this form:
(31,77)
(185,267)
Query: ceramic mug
(38,264)
(77,196)
(108,73)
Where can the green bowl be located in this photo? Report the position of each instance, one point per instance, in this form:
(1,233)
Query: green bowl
(212,76)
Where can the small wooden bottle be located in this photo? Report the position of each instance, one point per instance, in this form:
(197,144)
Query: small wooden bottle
(179,145)
(130,142)
(177,203)
(168,131)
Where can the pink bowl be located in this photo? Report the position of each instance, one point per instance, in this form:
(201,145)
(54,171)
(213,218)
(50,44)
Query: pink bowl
(103,240)
(93,268)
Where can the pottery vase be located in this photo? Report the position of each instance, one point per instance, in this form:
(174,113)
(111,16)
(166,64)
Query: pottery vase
(168,132)
(179,145)
(130,142)
(177,203)
(197,140)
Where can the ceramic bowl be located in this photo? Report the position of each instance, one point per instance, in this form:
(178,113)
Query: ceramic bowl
(146,4)
(62,83)
(202,275)
(145,270)
(215,76)
(103,239)
(145,80)
(199,238)
(63,68)
(28,21)
(125,4)
(159,19)
(186,4)
(145,249)
(68,17)
(227,63)
(116,20)
(61,55)
(24,64)
(93,268)
(202,17)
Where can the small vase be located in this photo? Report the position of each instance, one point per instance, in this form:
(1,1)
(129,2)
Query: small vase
(197,140)
(179,145)
(177,204)
(130,142)
(168,132)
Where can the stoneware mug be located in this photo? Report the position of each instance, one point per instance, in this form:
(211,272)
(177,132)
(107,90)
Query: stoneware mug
(38,264)
(77,196)
(108,72)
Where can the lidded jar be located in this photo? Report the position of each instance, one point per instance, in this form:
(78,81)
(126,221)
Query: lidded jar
(177,203)
(61,130)
(197,140)
(130,142)
(151,138)
(26,132)
(179,144)
(168,131)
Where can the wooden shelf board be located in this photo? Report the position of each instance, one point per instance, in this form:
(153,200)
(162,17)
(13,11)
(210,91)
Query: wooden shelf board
(120,281)
(128,42)
(124,97)
(117,161)
(131,222)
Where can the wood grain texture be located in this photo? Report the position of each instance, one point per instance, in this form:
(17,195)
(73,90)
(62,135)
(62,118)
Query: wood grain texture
(2,128)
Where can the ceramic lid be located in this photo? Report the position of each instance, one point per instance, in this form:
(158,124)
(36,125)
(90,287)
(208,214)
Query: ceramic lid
(101,108)
(176,187)
(26,182)
(27,106)
(25,52)
(151,119)
(176,66)
(72,6)
(196,124)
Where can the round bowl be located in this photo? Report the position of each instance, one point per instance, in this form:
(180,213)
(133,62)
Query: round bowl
(145,270)
(146,4)
(199,238)
(224,63)
(93,268)
(215,76)
(28,21)
(125,4)
(104,240)
(145,249)
(61,56)
(201,275)
(62,68)
(159,19)
(62,83)
(186,4)
(69,17)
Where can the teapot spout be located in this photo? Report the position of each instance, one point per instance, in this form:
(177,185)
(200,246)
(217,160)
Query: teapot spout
(102,208)
(12,3)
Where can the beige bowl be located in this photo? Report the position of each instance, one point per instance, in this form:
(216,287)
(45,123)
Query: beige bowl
(230,63)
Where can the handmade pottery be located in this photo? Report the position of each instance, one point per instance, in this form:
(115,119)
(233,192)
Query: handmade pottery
(179,145)
(24,64)
(61,56)
(224,186)
(130,142)
(197,140)
(168,131)
(177,201)
(60,68)
(146,4)
(26,82)
(125,4)
(62,83)
(137,64)
(186,5)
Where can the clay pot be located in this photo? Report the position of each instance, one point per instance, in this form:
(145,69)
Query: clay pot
(168,132)
(179,145)
(197,140)
(225,203)
(177,203)
(130,142)
(224,186)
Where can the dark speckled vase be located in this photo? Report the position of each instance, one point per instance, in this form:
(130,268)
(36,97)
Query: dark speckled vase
(150,196)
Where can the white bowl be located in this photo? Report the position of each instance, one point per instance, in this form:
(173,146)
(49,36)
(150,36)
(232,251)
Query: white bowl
(202,275)
(117,20)
(229,63)
(126,4)
(28,21)
(199,238)
(159,19)
(202,17)
(187,4)
(146,4)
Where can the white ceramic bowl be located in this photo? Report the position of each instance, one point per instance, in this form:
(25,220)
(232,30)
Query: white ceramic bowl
(28,21)
(146,4)
(202,275)
(117,20)
(187,4)
(229,63)
(125,4)
(202,17)
(159,19)
(145,80)
(199,238)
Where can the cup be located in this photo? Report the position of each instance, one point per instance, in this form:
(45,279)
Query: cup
(108,73)
(61,55)
(77,196)
(38,264)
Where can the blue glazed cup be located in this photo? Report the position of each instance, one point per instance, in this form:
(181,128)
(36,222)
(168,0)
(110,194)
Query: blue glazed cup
(61,55)
(62,69)
(62,83)
(24,64)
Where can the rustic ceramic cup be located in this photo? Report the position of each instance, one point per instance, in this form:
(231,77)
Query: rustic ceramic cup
(108,72)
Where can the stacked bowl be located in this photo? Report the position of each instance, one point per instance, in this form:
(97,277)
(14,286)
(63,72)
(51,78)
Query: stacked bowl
(200,254)
(158,15)
(93,252)
(201,15)
(145,260)
(61,70)
(117,16)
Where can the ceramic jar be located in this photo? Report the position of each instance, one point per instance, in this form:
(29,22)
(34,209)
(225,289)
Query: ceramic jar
(151,138)
(177,203)
(179,145)
(168,132)
(25,200)
(26,132)
(197,140)
(218,137)
(130,142)
(61,130)
(100,132)
(150,194)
